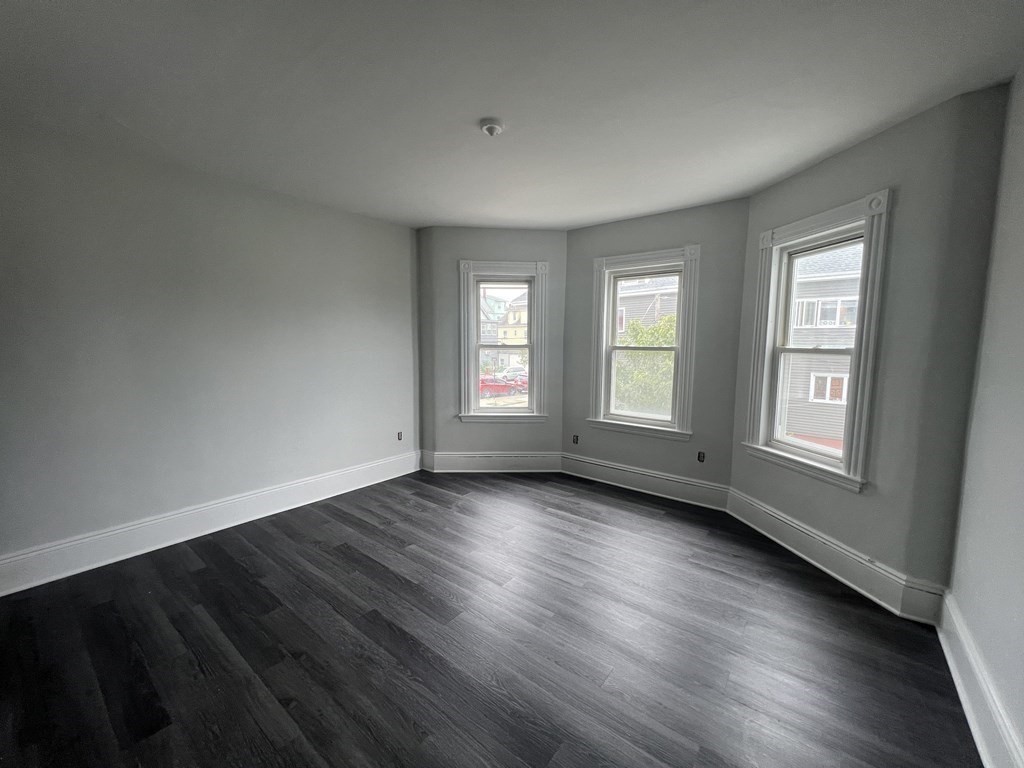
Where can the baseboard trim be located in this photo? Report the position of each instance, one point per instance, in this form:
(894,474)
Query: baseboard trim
(999,743)
(491,461)
(662,484)
(676,487)
(904,595)
(38,565)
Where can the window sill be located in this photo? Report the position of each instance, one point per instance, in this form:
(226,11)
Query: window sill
(665,433)
(497,418)
(804,466)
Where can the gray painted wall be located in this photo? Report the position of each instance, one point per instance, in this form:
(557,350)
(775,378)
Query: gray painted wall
(943,167)
(721,232)
(988,576)
(440,250)
(170,339)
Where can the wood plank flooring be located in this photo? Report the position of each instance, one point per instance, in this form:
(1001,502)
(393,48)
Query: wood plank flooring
(472,620)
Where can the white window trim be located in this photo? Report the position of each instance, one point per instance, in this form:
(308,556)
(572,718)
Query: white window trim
(471,273)
(869,215)
(686,260)
(828,387)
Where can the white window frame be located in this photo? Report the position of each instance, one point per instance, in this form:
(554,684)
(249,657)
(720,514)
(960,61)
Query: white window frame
(472,273)
(867,217)
(685,262)
(828,387)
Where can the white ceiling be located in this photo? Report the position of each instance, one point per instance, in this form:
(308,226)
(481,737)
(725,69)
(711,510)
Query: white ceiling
(614,108)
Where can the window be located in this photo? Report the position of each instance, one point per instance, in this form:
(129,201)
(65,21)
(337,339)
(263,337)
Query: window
(826,313)
(806,314)
(847,313)
(826,388)
(502,321)
(644,341)
(812,369)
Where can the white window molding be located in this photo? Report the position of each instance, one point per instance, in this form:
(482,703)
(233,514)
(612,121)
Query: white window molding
(472,273)
(608,321)
(866,218)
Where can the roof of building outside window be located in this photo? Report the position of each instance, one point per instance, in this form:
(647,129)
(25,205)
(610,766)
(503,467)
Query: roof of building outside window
(839,261)
(662,283)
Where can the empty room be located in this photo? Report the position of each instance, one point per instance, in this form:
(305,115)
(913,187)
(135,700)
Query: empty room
(464,383)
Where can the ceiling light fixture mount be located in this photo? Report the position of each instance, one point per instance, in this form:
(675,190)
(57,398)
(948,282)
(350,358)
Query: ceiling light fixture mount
(492,126)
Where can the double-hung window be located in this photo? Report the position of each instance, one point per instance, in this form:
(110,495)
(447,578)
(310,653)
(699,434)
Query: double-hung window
(812,373)
(502,345)
(644,324)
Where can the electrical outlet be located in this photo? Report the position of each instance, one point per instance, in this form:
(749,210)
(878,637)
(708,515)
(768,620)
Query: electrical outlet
(700,456)
(399,435)
(575,439)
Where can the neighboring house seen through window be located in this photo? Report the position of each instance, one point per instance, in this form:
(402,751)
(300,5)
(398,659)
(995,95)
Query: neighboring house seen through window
(817,356)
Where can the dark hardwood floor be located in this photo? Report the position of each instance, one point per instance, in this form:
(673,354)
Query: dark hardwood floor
(472,620)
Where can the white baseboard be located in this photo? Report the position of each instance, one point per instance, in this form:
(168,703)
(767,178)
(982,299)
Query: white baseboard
(491,461)
(904,595)
(1000,743)
(662,484)
(38,565)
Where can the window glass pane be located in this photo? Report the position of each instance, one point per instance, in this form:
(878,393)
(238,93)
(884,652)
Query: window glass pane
(503,313)
(836,389)
(811,406)
(805,314)
(827,312)
(641,383)
(504,377)
(824,280)
(848,312)
(647,308)
(820,389)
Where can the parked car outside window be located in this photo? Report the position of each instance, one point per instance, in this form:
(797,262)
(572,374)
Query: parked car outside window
(492,386)
(510,373)
(521,383)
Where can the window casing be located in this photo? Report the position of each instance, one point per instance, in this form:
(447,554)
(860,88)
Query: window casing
(503,309)
(812,369)
(644,327)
